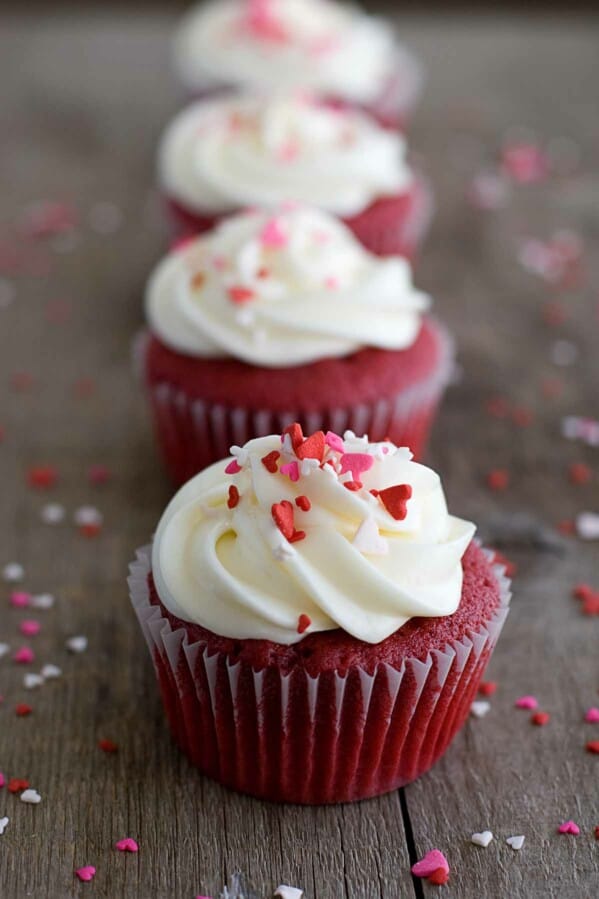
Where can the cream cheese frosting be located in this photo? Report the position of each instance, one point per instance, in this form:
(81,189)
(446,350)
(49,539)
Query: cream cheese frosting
(222,155)
(282,288)
(297,535)
(257,44)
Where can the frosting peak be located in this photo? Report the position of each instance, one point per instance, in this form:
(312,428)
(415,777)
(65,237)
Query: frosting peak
(280,289)
(318,44)
(300,534)
(221,155)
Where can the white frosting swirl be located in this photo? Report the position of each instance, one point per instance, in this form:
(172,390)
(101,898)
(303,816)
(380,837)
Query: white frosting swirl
(350,561)
(222,155)
(314,44)
(282,289)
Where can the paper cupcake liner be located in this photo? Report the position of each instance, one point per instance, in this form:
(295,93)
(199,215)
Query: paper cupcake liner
(193,433)
(393,226)
(335,737)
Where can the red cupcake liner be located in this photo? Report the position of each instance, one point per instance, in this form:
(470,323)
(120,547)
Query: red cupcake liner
(335,737)
(391,226)
(193,433)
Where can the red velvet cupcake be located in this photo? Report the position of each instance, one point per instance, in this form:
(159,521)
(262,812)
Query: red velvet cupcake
(223,155)
(316,45)
(278,317)
(318,623)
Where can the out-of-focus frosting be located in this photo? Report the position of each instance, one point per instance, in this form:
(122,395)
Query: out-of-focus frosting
(261,44)
(223,155)
(282,289)
(293,536)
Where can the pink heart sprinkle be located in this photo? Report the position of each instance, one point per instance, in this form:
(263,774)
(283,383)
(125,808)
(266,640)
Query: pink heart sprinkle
(569,827)
(24,656)
(527,702)
(356,463)
(334,441)
(30,628)
(233,467)
(273,235)
(19,600)
(592,715)
(2,781)
(431,862)
(291,469)
(88,872)
(126,845)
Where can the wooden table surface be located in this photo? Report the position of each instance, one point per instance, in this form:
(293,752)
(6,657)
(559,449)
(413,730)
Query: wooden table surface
(84,99)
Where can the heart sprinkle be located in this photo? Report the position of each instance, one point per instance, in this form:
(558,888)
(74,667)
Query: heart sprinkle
(126,845)
(516,842)
(527,702)
(303,623)
(480,708)
(303,503)
(86,873)
(32,797)
(569,827)
(270,461)
(540,718)
(433,861)
(592,715)
(482,839)
(282,514)
(233,499)
(395,500)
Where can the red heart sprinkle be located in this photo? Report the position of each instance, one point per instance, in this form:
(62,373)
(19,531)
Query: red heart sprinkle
(395,500)
(597,832)
(108,745)
(353,485)
(16,784)
(540,718)
(22,709)
(233,497)
(498,479)
(42,476)
(297,535)
(593,746)
(303,623)
(240,294)
(295,433)
(487,688)
(303,503)
(270,461)
(282,514)
(439,877)
(312,447)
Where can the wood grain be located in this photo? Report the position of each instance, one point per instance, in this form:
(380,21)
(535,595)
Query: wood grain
(88,95)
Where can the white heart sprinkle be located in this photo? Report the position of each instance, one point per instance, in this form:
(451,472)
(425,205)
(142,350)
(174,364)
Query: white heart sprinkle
(42,601)
(479,708)
(13,572)
(77,644)
(53,513)
(87,515)
(50,671)
(286,892)
(515,842)
(4,647)
(587,525)
(31,796)
(368,540)
(482,839)
(3,825)
(31,681)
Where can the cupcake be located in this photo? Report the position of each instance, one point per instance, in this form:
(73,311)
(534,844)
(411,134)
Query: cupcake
(335,50)
(318,622)
(228,154)
(280,316)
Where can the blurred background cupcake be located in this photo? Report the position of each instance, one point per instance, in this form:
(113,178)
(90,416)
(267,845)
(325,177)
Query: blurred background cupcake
(280,316)
(318,622)
(336,50)
(223,155)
